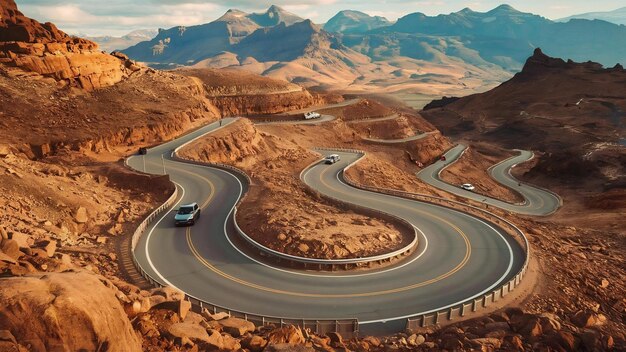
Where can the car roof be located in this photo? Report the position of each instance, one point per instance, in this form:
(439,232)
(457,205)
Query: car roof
(189,205)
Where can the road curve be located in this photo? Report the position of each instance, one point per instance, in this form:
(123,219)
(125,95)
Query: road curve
(459,256)
(538,202)
(400,140)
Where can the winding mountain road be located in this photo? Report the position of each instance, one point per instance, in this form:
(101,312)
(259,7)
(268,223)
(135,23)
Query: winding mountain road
(458,257)
(400,140)
(538,202)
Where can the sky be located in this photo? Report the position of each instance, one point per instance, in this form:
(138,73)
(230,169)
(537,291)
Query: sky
(118,17)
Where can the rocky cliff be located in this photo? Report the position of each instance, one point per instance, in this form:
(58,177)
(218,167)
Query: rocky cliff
(29,47)
(68,311)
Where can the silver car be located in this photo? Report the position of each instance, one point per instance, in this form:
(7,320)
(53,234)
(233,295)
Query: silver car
(187,214)
(331,159)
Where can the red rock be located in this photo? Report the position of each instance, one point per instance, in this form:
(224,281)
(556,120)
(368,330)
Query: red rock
(236,327)
(549,322)
(192,331)
(584,319)
(11,249)
(335,339)
(513,343)
(254,343)
(528,325)
(451,343)
(184,307)
(287,334)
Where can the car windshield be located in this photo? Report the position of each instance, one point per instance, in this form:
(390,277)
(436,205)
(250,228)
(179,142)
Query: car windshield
(185,210)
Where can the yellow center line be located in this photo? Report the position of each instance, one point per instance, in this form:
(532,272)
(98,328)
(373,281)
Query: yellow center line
(207,264)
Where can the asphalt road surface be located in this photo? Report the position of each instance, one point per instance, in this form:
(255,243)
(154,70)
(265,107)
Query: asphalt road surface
(458,257)
(400,140)
(537,202)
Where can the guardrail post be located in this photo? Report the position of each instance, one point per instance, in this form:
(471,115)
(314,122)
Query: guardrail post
(462,313)
(436,320)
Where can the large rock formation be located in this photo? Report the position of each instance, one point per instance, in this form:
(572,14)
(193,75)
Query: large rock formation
(68,311)
(27,47)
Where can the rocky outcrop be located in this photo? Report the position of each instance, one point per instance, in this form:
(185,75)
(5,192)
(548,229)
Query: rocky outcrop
(540,63)
(68,311)
(29,47)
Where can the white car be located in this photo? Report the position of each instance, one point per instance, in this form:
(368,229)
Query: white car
(188,214)
(312,115)
(331,159)
(467,186)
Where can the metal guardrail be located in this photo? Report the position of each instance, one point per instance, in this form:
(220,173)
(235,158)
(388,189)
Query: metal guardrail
(471,305)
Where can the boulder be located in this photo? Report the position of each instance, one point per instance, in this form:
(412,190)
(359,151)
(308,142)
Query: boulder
(194,332)
(184,307)
(4,150)
(170,293)
(513,343)
(549,322)
(70,311)
(215,341)
(287,334)
(527,325)
(584,319)
(11,249)
(254,343)
(452,343)
(80,216)
(336,339)
(491,343)
(50,247)
(23,240)
(416,340)
(7,258)
(236,327)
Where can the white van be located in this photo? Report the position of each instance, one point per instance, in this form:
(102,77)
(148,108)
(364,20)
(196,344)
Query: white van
(312,115)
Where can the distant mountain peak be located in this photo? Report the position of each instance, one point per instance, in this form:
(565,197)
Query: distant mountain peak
(505,7)
(466,10)
(351,21)
(274,16)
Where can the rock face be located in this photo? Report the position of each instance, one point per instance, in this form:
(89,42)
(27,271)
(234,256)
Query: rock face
(68,311)
(27,46)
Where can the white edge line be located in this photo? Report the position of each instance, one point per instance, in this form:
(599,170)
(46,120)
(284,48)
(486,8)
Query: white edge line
(152,230)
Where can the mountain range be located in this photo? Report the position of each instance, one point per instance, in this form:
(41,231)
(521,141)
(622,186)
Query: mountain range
(616,16)
(355,51)
(110,43)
